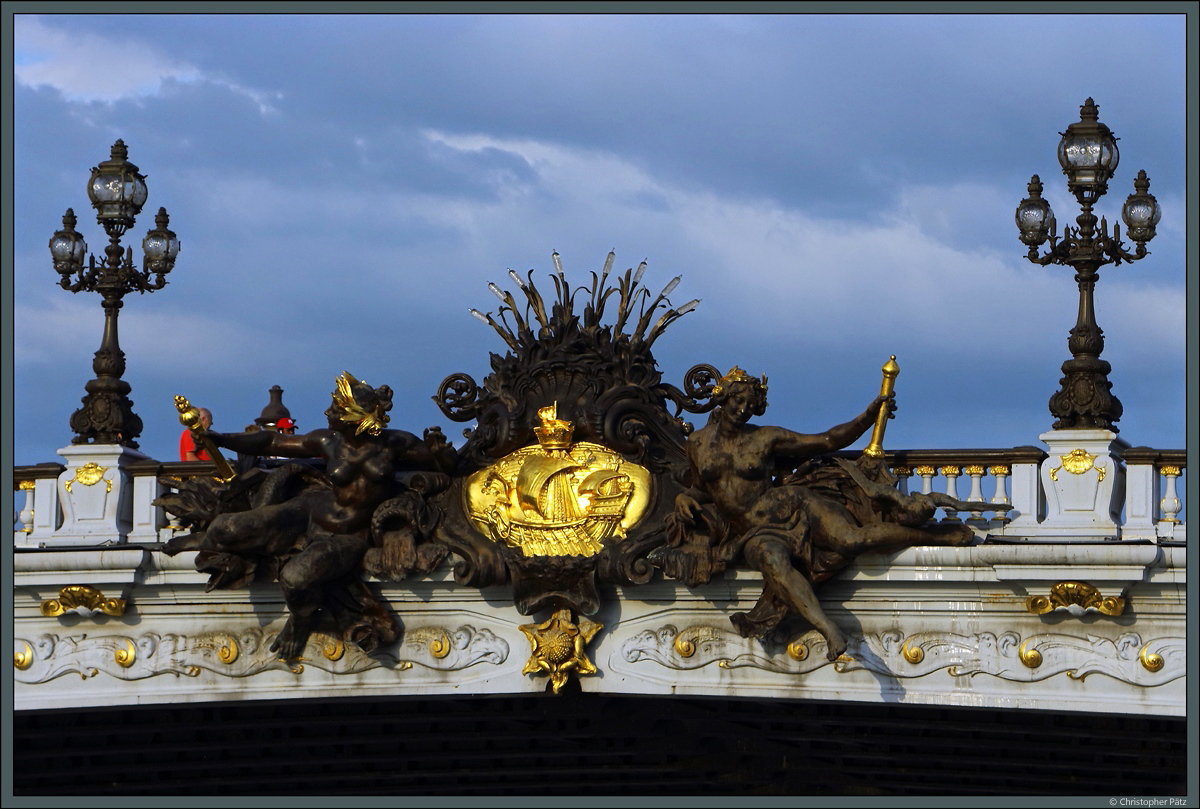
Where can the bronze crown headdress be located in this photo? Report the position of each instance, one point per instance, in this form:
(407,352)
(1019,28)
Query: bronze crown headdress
(355,413)
(735,375)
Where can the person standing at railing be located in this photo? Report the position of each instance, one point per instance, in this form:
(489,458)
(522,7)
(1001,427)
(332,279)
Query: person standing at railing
(188,451)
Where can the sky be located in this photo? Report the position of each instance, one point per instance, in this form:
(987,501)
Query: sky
(835,189)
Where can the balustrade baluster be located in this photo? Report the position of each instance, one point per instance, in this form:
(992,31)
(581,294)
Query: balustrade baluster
(975,473)
(1170,505)
(26,515)
(926,473)
(1000,473)
(951,474)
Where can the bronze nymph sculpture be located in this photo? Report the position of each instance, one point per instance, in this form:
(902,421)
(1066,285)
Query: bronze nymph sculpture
(797,532)
(313,531)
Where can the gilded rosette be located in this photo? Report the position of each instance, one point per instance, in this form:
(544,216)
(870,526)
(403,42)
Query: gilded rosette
(557,647)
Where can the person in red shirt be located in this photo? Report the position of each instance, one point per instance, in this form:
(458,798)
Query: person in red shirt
(188,450)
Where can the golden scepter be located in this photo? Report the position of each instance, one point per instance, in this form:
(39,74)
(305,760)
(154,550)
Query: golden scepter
(190,417)
(890,371)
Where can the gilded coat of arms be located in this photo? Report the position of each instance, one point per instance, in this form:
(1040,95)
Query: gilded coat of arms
(558,498)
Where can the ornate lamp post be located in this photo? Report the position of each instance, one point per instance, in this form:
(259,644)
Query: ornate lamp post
(117,191)
(1088,154)
(1082,477)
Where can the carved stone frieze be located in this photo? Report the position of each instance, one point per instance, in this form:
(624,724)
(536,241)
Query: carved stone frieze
(244,654)
(1007,656)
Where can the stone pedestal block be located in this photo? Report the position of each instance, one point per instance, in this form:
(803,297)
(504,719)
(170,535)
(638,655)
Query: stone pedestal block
(1084,482)
(96,495)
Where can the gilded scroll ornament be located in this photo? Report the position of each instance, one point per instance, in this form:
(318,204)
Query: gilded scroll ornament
(23,659)
(558,498)
(797,650)
(558,647)
(228,653)
(974,470)
(1169,471)
(125,655)
(999,469)
(913,654)
(1032,658)
(687,641)
(333,648)
(433,639)
(1078,461)
(89,474)
(925,471)
(1150,660)
(29,485)
(76,596)
(440,647)
(1066,594)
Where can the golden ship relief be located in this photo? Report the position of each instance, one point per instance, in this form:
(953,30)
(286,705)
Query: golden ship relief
(558,498)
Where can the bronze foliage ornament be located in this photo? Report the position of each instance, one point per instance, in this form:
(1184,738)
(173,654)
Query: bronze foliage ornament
(574,414)
(578,470)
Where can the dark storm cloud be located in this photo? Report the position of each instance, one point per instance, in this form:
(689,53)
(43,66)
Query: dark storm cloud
(835,188)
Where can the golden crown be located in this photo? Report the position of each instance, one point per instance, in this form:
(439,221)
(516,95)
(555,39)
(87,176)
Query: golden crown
(555,433)
(735,375)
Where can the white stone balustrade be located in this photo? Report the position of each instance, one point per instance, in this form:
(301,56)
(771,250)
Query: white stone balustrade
(1152,488)
(40,513)
(989,473)
(1153,506)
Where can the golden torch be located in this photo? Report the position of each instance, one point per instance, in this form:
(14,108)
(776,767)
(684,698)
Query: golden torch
(890,371)
(190,417)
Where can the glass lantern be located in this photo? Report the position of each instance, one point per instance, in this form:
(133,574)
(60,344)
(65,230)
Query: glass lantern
(160,245)
(1034,216)
(117,190)
(1088,155)
(1141,212)
(67,247)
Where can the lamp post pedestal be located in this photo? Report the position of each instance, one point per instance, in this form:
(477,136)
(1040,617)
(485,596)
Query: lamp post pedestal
(95,492)
(1083,479)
